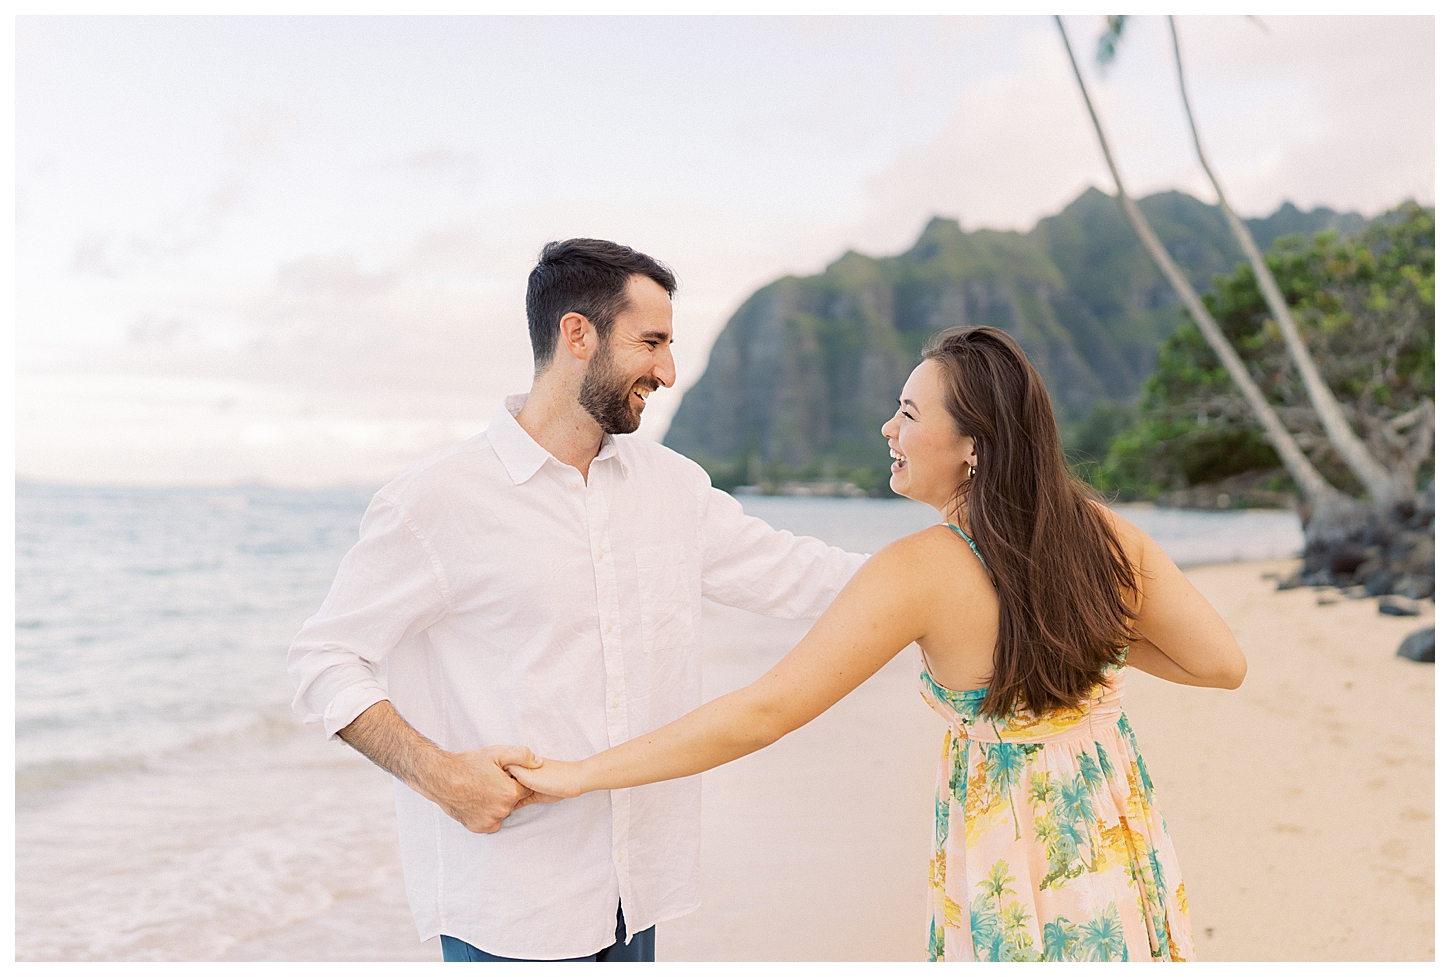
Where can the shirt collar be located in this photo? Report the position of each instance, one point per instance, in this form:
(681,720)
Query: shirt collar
(521,455)
(609,448)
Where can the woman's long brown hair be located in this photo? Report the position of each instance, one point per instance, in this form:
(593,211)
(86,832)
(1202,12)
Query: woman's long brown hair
(1060,571)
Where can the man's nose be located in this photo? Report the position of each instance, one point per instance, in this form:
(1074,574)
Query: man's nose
(664,370)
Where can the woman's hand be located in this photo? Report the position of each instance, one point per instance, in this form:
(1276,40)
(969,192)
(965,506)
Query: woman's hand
(551,780)
(877,614)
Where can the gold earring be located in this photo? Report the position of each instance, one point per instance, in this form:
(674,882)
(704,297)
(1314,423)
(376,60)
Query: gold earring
(971,472)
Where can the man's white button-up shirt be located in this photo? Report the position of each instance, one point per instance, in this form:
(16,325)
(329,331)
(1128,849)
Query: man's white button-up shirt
(495,597)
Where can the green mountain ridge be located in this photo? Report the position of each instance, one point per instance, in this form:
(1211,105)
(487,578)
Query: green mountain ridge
(808,368)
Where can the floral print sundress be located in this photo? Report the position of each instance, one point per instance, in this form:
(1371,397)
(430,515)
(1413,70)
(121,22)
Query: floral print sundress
(1049,843)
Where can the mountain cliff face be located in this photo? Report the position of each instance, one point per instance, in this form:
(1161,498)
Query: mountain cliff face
(806,371)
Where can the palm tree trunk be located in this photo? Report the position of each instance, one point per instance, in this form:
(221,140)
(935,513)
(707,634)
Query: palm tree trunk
(1316,490)
(1383,487)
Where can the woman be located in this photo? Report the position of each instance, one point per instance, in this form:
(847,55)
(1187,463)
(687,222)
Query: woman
(1026,602)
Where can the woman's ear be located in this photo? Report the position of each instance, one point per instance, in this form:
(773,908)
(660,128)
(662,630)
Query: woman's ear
(971,455)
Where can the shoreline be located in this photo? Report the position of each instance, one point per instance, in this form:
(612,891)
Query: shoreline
(1306,797)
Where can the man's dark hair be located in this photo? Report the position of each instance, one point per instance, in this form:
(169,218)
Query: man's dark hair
(587,276)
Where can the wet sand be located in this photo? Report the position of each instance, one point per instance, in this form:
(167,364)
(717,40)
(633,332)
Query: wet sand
(1301,805)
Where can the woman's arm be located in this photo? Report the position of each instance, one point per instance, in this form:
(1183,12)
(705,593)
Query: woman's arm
(1145,656)
(880,611)
(1178,636)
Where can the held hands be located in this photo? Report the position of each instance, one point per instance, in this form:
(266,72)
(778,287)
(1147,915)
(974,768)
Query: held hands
(550,780)
(475,788)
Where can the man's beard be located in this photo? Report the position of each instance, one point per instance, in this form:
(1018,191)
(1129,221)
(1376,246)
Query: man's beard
(601,396)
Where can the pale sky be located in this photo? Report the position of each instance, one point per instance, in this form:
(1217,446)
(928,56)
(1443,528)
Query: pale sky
(293,250)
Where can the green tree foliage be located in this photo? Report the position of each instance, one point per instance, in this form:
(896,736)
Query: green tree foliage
(808,368)
(1365,304)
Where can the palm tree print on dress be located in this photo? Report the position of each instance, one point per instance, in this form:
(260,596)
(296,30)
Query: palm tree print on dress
(1102,937)
(1048,843)
(1005,763)
(1000,928)
(1059,941)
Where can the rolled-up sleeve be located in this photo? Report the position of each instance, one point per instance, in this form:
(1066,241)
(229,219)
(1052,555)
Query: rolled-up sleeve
(390,586)
(746,563)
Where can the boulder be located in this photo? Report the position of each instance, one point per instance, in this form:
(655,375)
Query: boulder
(1379,583)
(1419,647)
(1385,551)
(1396,606)
(1414,587)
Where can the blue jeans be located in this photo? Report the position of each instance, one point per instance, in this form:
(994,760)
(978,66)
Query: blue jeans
(640,949)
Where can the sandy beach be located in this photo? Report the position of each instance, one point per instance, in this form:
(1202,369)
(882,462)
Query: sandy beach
(1301,804)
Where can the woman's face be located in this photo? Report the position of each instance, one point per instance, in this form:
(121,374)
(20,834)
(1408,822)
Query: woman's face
(929,459)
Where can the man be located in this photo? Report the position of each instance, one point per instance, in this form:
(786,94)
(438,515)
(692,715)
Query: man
(540,583)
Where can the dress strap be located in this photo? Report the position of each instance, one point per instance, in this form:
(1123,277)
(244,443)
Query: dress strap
(970,542)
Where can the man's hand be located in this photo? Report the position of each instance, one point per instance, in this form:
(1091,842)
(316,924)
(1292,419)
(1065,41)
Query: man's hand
(474,789)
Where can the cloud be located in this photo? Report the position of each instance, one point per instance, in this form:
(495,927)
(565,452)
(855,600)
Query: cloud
(92,256)
(252,135)
(1016,147)
(442,159)
(1342,111)
(1329,111)
(257,131)
(337,277)
(195,227)
(116,429)
(461,251)
(160,330)
(434,163)
(434,317)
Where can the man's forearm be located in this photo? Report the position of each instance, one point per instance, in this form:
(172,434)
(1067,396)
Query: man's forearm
(471,787)
(386,738)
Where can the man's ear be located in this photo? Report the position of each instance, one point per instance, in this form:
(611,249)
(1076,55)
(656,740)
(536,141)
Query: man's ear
(577,336)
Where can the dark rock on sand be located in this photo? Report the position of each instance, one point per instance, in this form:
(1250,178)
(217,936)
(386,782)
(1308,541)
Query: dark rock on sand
(1414,587)
(1397,606)
(1419,647)
(1384,551)
(1378,582)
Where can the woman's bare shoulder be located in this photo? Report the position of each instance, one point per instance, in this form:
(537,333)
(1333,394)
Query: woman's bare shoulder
(1121,525)
(921,556)
(1129,535)
(920,545)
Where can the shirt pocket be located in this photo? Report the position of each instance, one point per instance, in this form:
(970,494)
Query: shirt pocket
(664,597)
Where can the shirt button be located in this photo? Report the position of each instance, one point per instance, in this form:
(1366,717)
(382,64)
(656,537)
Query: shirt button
(601,554)
(609,626)
(619,856)
(615,704)
(573,485)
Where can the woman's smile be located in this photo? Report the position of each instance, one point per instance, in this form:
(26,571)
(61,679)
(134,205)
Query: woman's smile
(929,456)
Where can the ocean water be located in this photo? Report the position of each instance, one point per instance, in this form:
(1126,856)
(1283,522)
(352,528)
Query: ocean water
(168,806)
(147,621)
